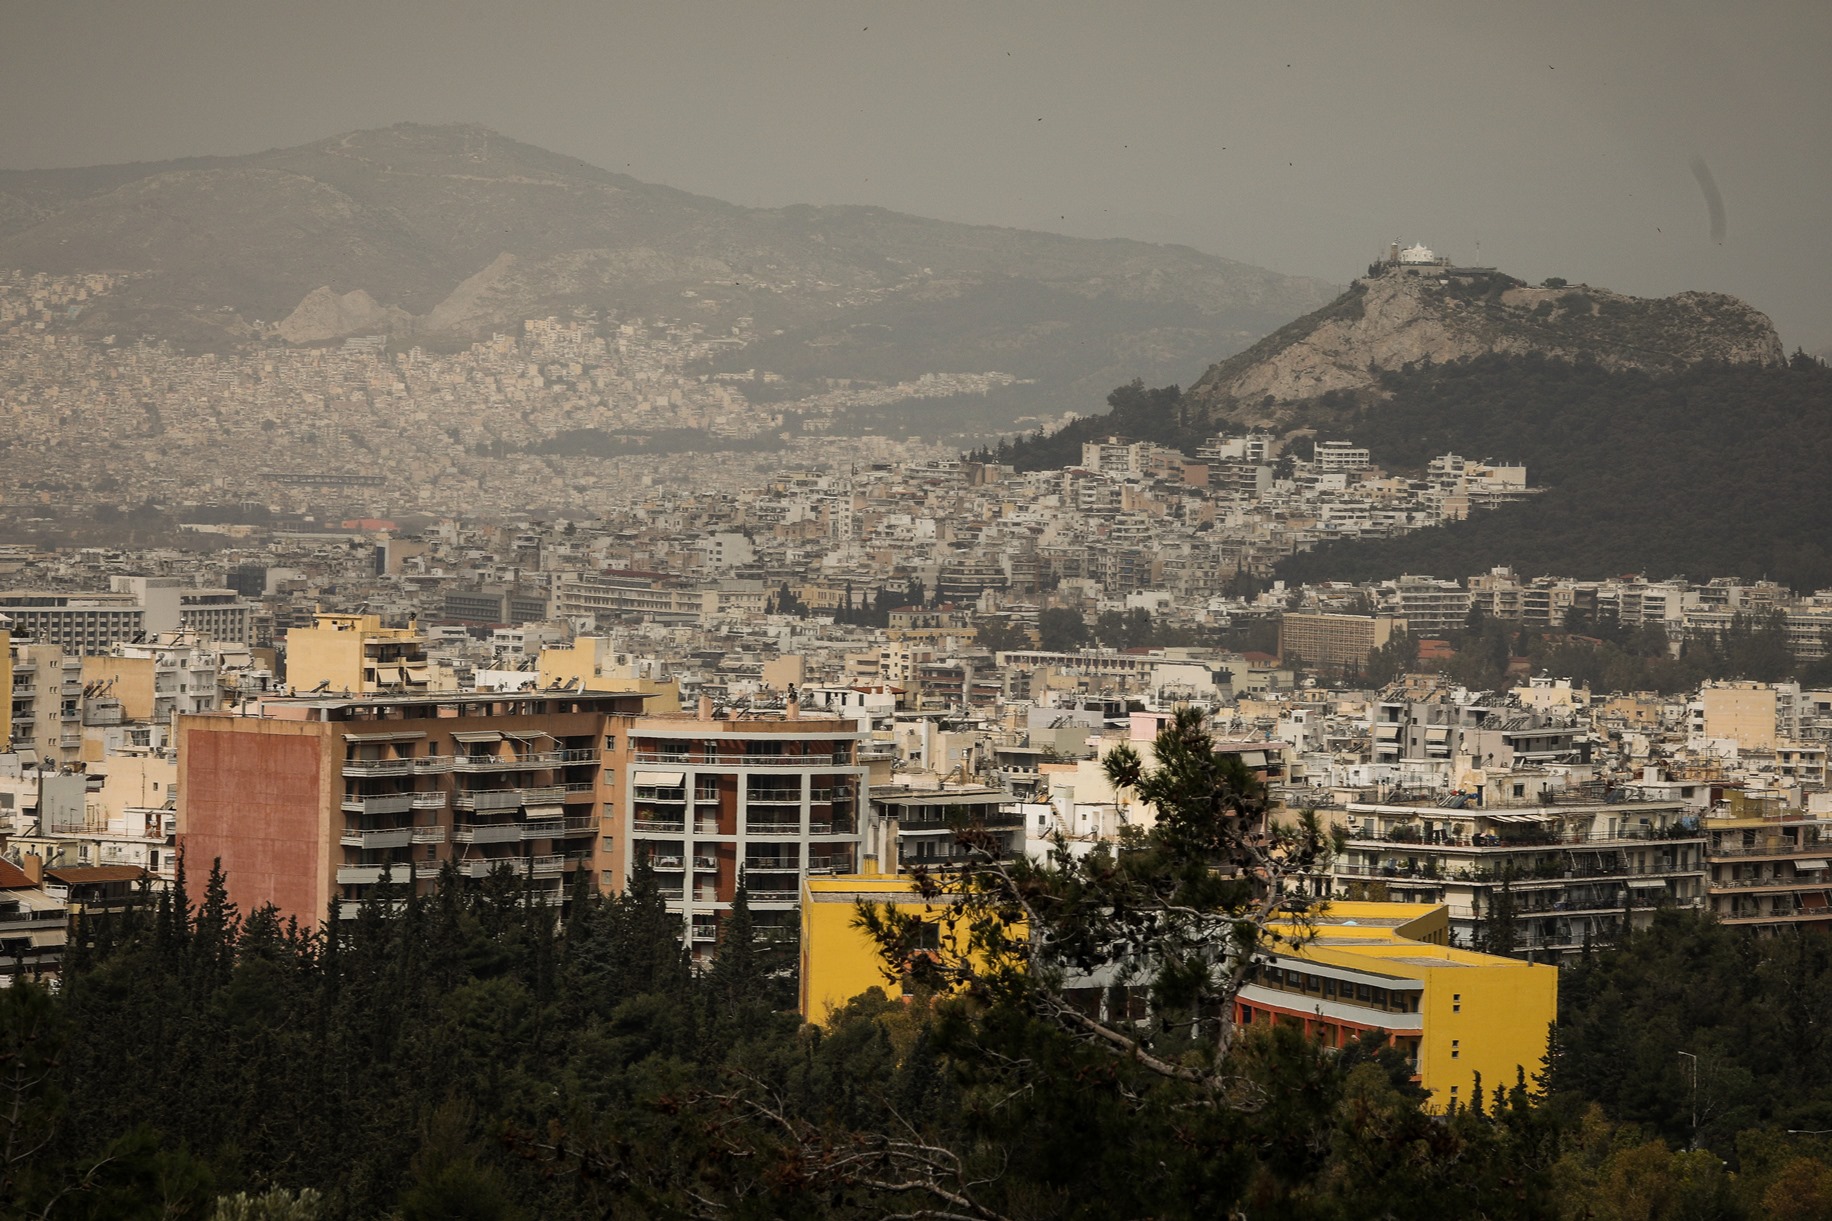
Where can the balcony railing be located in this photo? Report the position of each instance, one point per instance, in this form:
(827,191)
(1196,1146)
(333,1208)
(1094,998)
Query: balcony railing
(774,896)
(434,800)
(675,826)
(773,828)
(427,765)
(550,863)
(487,833)
(516,763)
(429,835)
(486,800)
(731,760)
(382,803)
(378,767)
(586,825)
(390,837)
(772,864)
(543,828)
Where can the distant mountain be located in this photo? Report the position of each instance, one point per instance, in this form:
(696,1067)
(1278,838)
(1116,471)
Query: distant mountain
(1331,362)
(1399,319)
(445,233)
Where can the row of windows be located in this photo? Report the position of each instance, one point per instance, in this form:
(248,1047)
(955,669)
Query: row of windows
(1393,1000)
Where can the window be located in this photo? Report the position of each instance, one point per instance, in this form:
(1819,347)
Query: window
(1380,998)
(1329,988)
(1456,1002)
(1312,984)
(608,841)
(610,742)
(1363,993)
(1455,1049)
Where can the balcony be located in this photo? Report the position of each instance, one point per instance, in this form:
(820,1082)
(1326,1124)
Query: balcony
(731,761)
(488,800)
(434,800)
(429,835)
(391,837)
(552,863)
(544,795)
(581,826)
(517,763)
(773,828)
(663,826)
(667,862)
(579,790)
(774,896)
(543,828)
(772,864)
(378,767)
(487,833)
(428,765)
(830,864)
(369,875)
(427,869)
(383,803)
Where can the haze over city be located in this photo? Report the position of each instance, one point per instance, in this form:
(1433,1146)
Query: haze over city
(1010,612)
(1299,138)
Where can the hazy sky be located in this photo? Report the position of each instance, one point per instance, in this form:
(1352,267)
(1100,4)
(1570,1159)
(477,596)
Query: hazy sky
(1298,136)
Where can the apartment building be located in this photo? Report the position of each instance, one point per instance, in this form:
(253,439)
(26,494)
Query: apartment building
(1771,867)
(1562,870)
(77,623)
(310,803)
(1334,643)
(913,827)
(1429,606)
(356,655)
(34,924)
(1386,969)
(773,799)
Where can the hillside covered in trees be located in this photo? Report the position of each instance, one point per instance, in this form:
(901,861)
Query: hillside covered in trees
(1718,470)
(473,1056)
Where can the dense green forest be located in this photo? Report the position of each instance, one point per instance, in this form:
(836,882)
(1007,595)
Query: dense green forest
(473,1056)
(1717,471)
(1714,471)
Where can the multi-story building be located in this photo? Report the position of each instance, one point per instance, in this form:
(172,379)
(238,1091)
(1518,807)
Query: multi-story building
(77,623)
(1429,606)
(1385,969)
(1333,642)
(913,827)
(771,799)
(1547,875)
(1770,867)
(34,925)
(356,655)
(312,802)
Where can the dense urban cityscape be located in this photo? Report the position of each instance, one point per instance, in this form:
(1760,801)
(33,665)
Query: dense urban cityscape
(528,692)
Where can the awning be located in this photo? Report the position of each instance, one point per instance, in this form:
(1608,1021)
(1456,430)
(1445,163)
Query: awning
(1647,884)
(1815,863)
(1815,900)
(1518,817)
(666,780)
(477,735)
(526,735)
(1437,733)
(546,811)
(398,735)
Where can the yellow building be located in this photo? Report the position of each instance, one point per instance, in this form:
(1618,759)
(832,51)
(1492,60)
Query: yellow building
(1373,967)
(1750,714)
(6,684)
(592,663)
(838,961)
(356,655)
(1387,967)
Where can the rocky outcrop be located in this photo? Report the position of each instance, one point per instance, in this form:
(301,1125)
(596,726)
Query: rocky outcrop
(325,315)
(1390,321)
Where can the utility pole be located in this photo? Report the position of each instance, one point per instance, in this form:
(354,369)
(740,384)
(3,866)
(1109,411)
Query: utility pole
(1694,1058)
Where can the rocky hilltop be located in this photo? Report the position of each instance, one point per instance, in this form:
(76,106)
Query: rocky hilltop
(444,234)
(1399,318)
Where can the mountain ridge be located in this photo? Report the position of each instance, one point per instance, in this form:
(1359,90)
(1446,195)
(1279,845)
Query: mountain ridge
(224,249)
